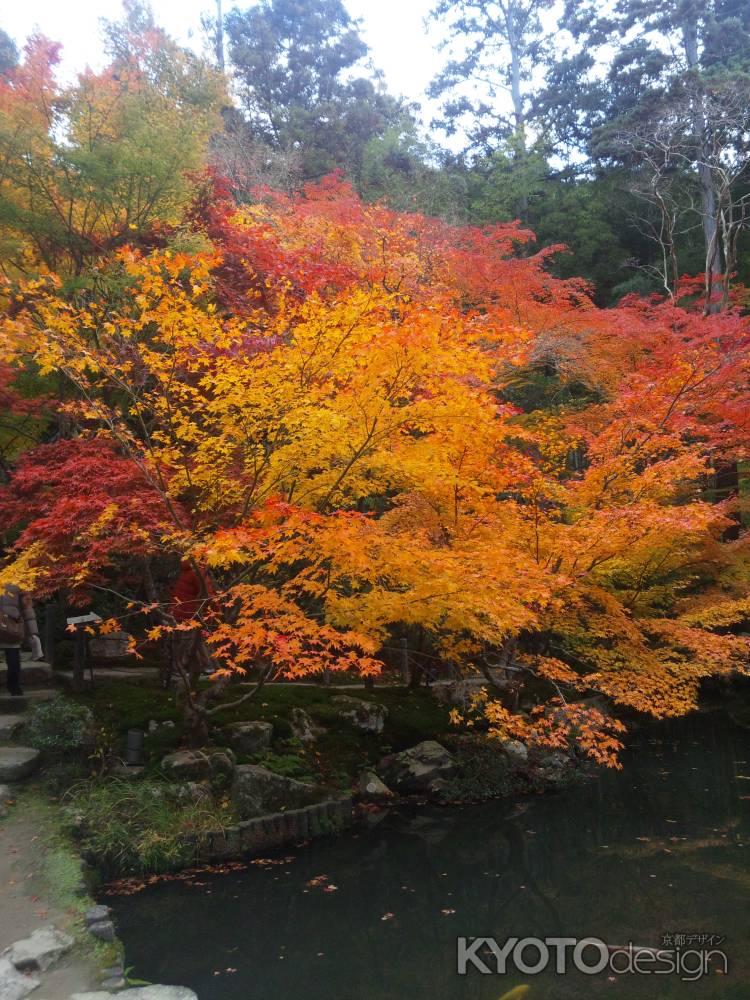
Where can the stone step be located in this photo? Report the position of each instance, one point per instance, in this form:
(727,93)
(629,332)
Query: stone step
(34,673)
(40,950)
(17,763)
(10,703)
(10,726)
(125,675)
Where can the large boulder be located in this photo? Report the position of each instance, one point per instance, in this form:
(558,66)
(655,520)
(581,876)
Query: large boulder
(186,765)
(192,792)
(197,765)
(517,750)
(256,790)
(367,716)
(17,763)
(423,768)
(13,984)
(40,950)
(372,789)
(222,761)
(249,737)
(112,646)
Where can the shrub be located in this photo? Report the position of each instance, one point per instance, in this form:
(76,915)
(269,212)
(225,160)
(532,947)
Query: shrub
(486,772)
(60,726)
(138,827)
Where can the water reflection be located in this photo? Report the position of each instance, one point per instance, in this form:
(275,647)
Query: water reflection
(625,857)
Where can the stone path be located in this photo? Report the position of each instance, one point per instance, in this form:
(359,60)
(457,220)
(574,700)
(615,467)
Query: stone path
(34,951)
(32,930)
(38,957)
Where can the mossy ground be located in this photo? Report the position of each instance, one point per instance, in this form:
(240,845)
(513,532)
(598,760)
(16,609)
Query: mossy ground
(337,756)
(137,827)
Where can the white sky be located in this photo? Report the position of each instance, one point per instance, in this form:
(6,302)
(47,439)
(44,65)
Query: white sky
(392,28)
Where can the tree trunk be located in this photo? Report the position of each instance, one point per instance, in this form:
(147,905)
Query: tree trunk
(701,127)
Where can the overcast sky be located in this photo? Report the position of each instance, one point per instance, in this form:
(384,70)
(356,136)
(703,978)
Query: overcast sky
(392,28)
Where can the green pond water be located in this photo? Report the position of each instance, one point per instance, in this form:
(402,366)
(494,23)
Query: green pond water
(657,848)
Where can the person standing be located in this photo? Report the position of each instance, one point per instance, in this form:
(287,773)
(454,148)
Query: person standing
(17,607)
(189,655)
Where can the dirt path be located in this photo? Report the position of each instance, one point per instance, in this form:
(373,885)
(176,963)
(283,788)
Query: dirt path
(37,882)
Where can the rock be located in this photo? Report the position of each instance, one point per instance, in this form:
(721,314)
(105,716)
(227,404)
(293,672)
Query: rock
(113,971)
(14,985)
(557,761)
(140,993)
(555,769)
(40,950)
(256,790)
(130,772)
(186,765)
(249,737)
(366,716)
(96,913)
(416,769)
(460,692)
(104,930)
(112,646)
(303,726)
(457,693)
(10,726)
(154,726)
(17,763)
(371,788)
(222,761)
(116,983)
(191,791)
(516,749)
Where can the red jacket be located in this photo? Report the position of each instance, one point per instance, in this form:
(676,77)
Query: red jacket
(186,598)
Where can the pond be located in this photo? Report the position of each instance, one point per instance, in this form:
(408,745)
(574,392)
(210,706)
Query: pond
(628,856)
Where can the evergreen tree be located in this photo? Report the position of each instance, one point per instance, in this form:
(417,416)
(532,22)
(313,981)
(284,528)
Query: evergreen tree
(304,85)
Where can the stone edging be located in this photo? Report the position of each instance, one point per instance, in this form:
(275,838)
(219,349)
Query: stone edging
(274,830)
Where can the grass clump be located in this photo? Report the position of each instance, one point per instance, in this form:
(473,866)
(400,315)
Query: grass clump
(59,726)
(139,827)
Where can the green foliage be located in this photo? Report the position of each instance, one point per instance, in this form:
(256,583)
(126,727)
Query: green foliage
(290,765)
(486,771)
(60,726)
(296,65)
(136,827)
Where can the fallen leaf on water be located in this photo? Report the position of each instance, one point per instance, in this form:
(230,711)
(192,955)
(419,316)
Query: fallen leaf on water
(318,880)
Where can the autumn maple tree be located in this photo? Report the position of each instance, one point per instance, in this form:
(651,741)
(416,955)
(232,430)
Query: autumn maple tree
(359,424)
